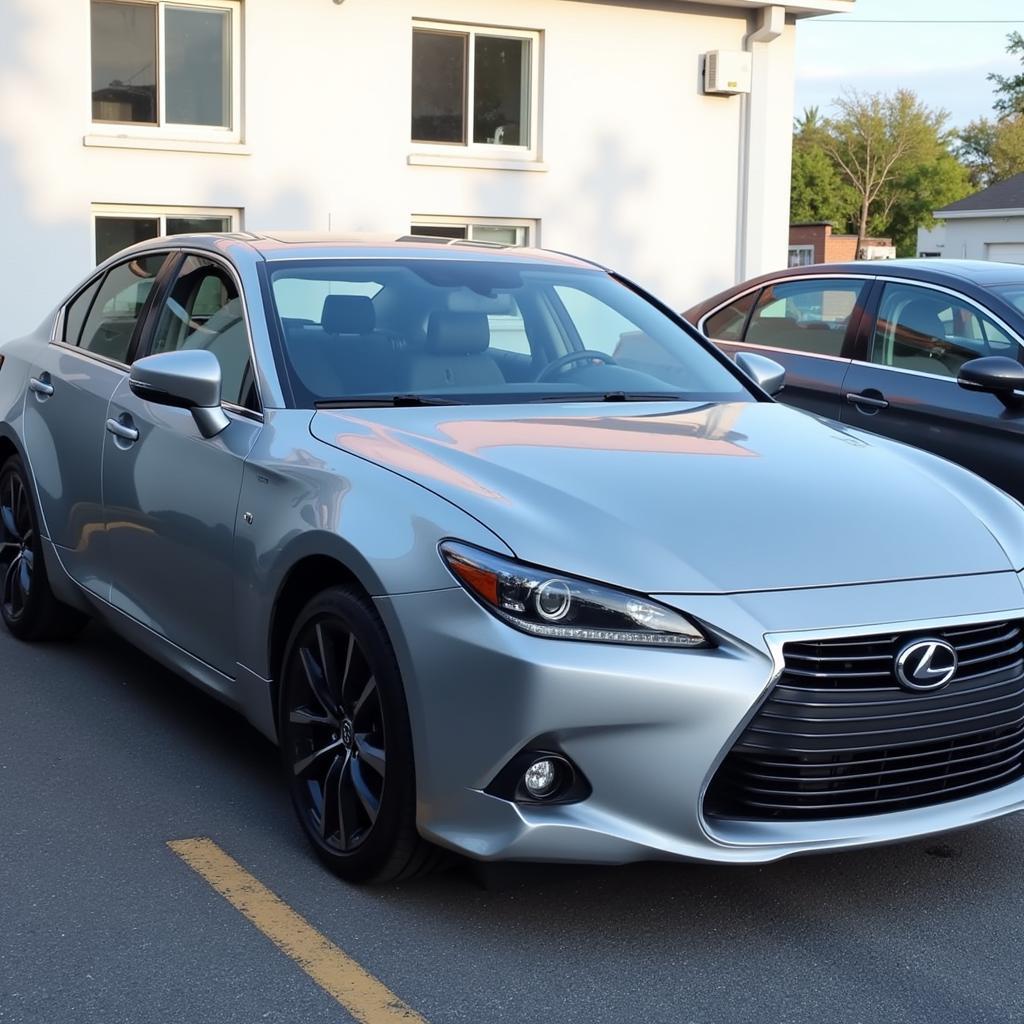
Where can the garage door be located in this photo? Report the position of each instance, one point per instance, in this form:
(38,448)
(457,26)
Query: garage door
(1006,252)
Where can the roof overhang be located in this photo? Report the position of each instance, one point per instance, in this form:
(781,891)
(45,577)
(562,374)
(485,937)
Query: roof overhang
(971,214)
(798,8)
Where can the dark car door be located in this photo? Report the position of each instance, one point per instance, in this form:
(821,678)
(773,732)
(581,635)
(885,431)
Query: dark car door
(171,495)
(808,325)
(905,386)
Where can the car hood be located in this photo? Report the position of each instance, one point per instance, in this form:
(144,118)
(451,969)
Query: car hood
(686,498)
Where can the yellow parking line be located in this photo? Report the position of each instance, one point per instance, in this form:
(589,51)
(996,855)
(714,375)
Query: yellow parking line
(331,968)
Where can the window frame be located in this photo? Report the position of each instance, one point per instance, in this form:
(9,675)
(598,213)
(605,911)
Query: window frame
(141,322)
(863,357)
(160,213)
(532,106)
(144,340)
(863,309)
(529,227)
(801,250)
(163,129)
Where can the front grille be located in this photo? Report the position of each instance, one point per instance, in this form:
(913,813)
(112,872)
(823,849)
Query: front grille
(839,737)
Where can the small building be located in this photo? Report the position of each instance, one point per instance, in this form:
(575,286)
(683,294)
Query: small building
(816,242)
(651,135)
(988,225)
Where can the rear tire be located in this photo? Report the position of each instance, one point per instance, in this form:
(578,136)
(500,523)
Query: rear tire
(346,743)
(29,609)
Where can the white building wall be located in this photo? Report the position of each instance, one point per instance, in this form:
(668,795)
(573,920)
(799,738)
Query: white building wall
(642,170)
(969,238)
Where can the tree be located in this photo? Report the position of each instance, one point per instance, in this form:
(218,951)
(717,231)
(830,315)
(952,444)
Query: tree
(880,142)
(920,189)
(1010,88)
(818,191)
(992,150)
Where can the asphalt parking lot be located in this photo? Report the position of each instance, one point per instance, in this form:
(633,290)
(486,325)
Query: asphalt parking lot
(105,758)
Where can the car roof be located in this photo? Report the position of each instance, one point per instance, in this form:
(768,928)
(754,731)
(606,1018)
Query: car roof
(300,245)
(952,273)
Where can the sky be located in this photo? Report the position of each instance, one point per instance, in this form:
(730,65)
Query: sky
(945,64)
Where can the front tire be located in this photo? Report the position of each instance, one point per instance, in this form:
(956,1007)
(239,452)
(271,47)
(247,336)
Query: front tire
(346,742)
(29,609)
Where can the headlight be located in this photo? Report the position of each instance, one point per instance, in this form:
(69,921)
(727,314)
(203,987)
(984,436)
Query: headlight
(561,607)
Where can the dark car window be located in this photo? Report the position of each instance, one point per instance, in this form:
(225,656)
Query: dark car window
(933,332)
(77,310)
(728,323)
(204,311)
(447,328)
(111,321)
(805,316)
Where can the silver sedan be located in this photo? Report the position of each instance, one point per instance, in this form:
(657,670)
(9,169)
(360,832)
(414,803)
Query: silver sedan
(507,559)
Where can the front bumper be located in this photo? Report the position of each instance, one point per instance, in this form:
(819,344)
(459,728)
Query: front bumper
(647,727)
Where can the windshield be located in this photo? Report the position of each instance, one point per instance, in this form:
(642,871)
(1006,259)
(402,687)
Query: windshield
(481,331)
(1012,293)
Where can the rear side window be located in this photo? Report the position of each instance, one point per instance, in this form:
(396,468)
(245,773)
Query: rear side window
(110,322)
(728,323)
(76,312)
(805,316)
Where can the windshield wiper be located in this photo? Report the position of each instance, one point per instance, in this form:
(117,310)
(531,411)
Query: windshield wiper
(383,401)
(615,396)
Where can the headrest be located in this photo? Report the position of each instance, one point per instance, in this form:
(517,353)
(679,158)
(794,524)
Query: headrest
(457,334)
(348,314)
(922,317)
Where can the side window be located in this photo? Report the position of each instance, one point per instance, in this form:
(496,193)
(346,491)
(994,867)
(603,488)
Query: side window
(933,332)
(110,322)
(727,324)
(204,311)
(805,316)
(77,310)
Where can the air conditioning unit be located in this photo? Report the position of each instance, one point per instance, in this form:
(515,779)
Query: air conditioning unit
(727,72)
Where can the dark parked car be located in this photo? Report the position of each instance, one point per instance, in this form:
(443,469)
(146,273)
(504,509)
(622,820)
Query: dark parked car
(924,351)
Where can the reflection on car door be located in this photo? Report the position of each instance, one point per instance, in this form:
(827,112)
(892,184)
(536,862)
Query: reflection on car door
(807,325)
(171,496)
(907,390)
(70,389)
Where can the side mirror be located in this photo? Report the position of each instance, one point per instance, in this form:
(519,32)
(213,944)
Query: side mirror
(999,375)
(186,379)
(767,374)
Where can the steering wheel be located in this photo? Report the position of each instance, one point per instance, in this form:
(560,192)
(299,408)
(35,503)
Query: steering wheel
(568,359)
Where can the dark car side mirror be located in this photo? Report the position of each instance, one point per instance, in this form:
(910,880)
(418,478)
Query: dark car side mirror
(998,375)
(767,374)
(186,379)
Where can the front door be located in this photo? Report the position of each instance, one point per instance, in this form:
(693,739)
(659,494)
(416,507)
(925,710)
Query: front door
(70,389)
(171,495)
(907,388)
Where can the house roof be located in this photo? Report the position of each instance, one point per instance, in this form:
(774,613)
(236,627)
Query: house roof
(1003,195)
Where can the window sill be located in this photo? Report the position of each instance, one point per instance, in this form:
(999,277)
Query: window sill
(477,163)
(173,145)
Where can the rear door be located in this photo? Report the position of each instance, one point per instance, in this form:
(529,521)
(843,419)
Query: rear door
(905,387)
(808,325)
(69,391)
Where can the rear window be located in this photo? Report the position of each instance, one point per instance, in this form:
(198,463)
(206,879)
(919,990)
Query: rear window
(1012,293)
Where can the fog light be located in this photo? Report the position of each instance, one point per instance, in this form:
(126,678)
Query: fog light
(542,777)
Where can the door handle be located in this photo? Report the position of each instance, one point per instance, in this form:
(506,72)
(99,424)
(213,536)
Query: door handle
(875,403)
(122,430)
(40,387)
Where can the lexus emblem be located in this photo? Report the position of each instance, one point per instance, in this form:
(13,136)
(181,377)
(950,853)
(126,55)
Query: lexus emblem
(926,665)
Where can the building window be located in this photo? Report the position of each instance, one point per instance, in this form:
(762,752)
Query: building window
(117,227)
(475,87)
(158,65)
(801,255)
(501,231)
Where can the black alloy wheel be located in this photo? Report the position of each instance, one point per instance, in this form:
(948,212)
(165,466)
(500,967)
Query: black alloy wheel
(17,545)
(28,606)
(346,742)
